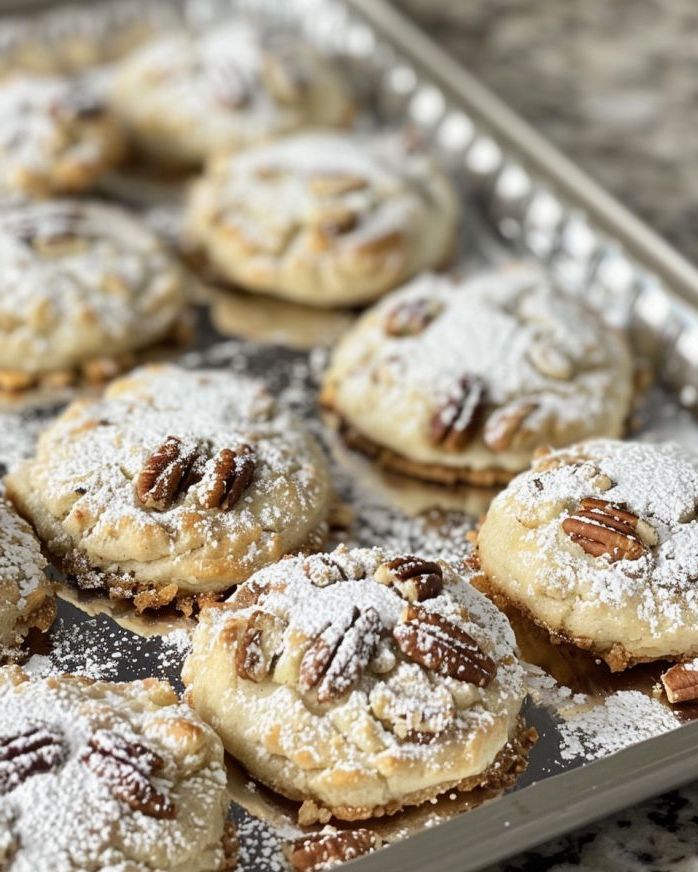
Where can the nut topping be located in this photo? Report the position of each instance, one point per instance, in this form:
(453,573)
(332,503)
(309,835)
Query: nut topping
(165,474)
(126,767)
(415,580)
(439,644)
(454,424)
(604,528)
(338,656)
(29,751)
(322,850)
(412,317)
(505,426)
(681,682)
(232,474)
(259,644)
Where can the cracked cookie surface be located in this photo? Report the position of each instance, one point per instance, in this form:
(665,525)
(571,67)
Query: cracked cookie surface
(83,286)
(325,219)
(95,775)
(358,682)
(186,96)
(56,135)
(461,379)
(598,543)
(175,484)
(26,595)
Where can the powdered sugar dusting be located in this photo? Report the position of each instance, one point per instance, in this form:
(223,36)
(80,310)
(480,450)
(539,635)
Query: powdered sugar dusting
(657,482)
(623,719)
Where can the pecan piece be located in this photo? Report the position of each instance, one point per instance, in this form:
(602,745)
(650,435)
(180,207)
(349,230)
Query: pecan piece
(439,644)
(601,527)
(258,645)
(126,767)
(415,579)
(338,656)
(231,476)
(412,317)
(453,425)
(169,471)
(505,426)
(681,682)
(35,748)
(322,850)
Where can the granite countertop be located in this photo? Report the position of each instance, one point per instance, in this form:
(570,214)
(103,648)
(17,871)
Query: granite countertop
(615,86)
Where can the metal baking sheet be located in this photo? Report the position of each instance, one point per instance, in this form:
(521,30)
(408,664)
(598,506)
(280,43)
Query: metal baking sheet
(522,199)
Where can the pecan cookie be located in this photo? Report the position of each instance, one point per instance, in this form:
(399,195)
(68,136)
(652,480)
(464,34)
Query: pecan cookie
(175,484)
(326,219)
(598,543)
(56,135)
(189,95)
(83,285)
(459,380)
(95,775)
(359,682)
(26,595)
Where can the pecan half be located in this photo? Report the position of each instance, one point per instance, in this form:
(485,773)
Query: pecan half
(681,682)
(167,473)
(231,476)
(29,751)
(601,527)
(506,425)
(322,850)
(258,645)
(412,317)
(453,425)
(439,644)
(126,767)
(415,579)
(338,656)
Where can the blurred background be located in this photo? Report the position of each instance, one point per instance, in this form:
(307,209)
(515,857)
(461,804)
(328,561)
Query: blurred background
(613,84)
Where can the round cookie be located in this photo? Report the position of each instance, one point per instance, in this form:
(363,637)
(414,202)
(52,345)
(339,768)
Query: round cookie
(189,95)
(176,484)
(459,380)
(26,595)
(95,775)
(83,285)
(598,543)
(325,219)
(360,682)
(71,39)
(56,136)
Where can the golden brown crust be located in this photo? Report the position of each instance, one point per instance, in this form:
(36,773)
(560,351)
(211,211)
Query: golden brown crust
(509,763)
(96,370)
(431,472)
(617,657)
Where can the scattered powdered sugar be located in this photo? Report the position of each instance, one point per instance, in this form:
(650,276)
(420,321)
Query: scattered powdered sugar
(261,844)
(623,719)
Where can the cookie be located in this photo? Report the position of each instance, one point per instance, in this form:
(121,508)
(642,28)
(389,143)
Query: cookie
(176,484)
(26,595)
(95,775)
(189,95)
(598,543)
(83,285)
(359,682)
(461,379)
(325,219)
(70,39)
(56,136)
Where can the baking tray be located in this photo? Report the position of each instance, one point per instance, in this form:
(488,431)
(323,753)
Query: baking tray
(523,199)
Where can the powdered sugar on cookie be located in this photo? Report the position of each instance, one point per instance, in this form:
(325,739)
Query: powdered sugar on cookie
(102,775)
